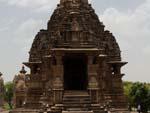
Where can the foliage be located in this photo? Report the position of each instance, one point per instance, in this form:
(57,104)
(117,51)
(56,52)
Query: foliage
(148,99)
(6,106)
(138,93)
(9,93)
(127,87)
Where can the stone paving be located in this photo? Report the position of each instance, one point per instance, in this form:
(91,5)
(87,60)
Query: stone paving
(5,112)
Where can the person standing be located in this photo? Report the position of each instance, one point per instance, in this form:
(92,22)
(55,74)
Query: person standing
(139,108)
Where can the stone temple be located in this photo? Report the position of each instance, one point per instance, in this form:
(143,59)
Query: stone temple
(20,89)
(75,65)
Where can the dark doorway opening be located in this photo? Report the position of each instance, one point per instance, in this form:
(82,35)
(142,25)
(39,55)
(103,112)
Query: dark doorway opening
(75,72)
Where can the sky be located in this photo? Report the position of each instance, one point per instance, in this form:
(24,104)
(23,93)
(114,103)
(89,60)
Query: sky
(128,20)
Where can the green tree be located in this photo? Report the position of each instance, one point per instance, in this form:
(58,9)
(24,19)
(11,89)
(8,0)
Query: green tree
(148,99)
(9,93)
(127,88)
(139,94)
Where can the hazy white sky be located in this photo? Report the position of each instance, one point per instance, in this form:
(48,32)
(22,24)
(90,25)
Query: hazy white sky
(128,20)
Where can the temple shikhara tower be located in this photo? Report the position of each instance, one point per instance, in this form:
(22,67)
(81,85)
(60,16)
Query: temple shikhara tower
(75,65)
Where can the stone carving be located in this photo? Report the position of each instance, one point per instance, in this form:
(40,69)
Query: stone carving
(58,84)
(93,82)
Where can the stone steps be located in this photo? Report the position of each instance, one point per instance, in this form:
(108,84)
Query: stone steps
(33,105)
(77,112)
(76,101)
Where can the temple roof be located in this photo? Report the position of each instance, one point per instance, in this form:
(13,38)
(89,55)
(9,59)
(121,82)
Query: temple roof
(74,24)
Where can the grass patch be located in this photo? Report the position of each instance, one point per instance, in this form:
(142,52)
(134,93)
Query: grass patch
(6,106)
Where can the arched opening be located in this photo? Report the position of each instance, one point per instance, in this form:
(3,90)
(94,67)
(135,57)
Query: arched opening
(75,72)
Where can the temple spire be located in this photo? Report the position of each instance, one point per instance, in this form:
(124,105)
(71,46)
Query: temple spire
(74,1)
(23,71)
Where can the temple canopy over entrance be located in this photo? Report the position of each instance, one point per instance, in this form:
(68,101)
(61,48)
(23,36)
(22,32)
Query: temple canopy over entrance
(75,72)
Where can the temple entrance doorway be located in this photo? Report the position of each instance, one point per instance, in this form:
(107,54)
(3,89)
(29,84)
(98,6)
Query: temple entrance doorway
(75,72)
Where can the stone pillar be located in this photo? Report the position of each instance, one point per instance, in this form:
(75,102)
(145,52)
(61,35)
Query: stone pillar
(93,80)
(102,76)
(117,81)
(57,90)
(117,76)
(118,99)
(47,67)
(58,80)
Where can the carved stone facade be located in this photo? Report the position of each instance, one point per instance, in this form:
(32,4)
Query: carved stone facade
(2,91)
(75,64)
